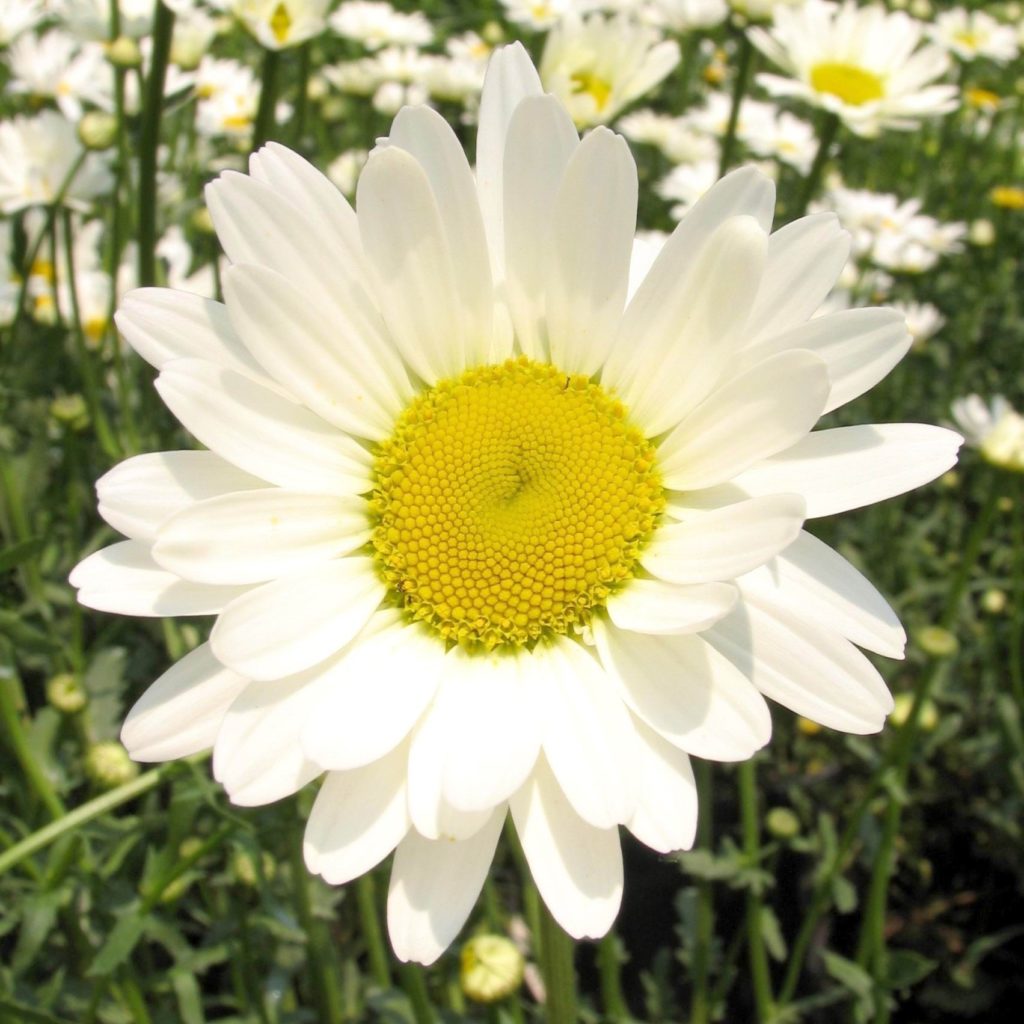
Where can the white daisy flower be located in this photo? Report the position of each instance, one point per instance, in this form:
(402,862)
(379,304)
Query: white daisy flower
(482,531)
(90,19)
(995,429)
(860,63)
(676,137)
(685,15)
(543,14)
(973,34)
(598,66)
(923,320)
(376,24)
(280,24)
(18,15)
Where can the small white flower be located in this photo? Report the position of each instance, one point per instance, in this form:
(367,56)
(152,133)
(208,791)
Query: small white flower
(996,430)
(543,14)
(376,24)
(90,19)
(923,320)
(685,15)
(973,34)
(344,170)
(279,24)
(674,136)
(16,16)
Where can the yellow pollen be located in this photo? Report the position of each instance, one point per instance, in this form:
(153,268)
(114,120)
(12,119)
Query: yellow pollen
(597,88)
(1009,197)
(847,82)
(280,23)
(510,502)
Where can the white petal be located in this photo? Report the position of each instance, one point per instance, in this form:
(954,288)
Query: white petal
(257,756)
(124,579)
(653,606)
(687,692)
(426,135)
(666,815)
(808,669)
(262,432)
(859,346)
(414,275)
(804,261)
(589,270)
(541,141)
(295,622)
(493,733)
(761,412)
(721,544)
(586,733)
(180,713)
(680,332)
(577,868)
(848,467)
(434,884)
(143,492)
(814,582)
(161,325)
(510,78)
(327,364)
(358,818)
(382,685)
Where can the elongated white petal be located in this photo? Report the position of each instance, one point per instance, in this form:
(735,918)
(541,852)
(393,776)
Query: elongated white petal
(180,714)
(586,734)
(358,818)
(654,606)
(589,269)
(847,467)
(806,668)
(326,363)
(761,412)
(382,685)
(252,536)
(257,756)
(434,884)
(666,814)
(161,325)
(262,432)
(577,868)
(493,732)
(123,578)
(297,621)
(687,692)
(723,543)
(541,141)
(140,494)
(679,333)
(817,584)
(510,78)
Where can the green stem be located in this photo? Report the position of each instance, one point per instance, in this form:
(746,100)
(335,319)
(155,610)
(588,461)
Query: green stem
(301,97)
(1017,600)
(264,124)
(558,969)
(416,989)
(87,812)
(744,62)
(373,937)
(827,129)
(149,141)
(760,972)
(609,961)
(704,924)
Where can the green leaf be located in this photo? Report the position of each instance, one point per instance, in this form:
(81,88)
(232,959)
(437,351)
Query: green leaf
(119,945)
(771,932)
(904,968)
(14,555)
(852,976)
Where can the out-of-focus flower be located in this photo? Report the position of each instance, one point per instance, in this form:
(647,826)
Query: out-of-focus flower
(194,31)
(685,184)
(995,429)
(280,24)
(543,14)
(685,15)
(16,16)
(597,66)
(54,65)
(37,155)
(785,137)
(860,63)
(674,136)
(923,320)
(90,19)
(229,95)
(982,232)
(762,10)
(1009,197)
(344,170)
(376,24)
(175,252)
(973,34)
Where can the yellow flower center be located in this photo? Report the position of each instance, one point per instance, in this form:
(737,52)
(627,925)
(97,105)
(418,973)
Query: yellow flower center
(280,23)
(510,502)
(847,82)
(597,88)
(1010,197)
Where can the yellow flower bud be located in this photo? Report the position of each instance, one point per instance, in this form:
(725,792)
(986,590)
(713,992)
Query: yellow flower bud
(937,642)
(491,968)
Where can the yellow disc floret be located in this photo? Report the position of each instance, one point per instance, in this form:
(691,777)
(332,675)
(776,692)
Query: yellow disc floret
(510,502)
(848,82)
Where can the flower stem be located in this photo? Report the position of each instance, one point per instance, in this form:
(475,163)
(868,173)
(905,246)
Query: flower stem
(416,989)
(149,142)
(760,972)
(704,925)
(373,937)
(609,961)
(556,957)
(264,124)
(744,62)
(827,130)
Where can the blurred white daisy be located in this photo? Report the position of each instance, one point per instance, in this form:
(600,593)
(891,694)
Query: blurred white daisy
(18,15)
(973,34)
(376,24)
(280,24)
(543,14)
(923,320)
(860,63)
(483,531)
(685,15)
(597,66)
(996,429)
(90,19)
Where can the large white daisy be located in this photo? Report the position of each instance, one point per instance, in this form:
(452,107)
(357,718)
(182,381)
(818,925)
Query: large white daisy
(488,526)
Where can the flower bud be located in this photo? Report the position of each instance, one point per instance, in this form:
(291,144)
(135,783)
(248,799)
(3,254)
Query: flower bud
(981,232)
(491,968)
(66,693)
(97,130)
(927,719)
(782,823)
(108,765)
(994,601)
(70,411)
(937,642)
(124,52)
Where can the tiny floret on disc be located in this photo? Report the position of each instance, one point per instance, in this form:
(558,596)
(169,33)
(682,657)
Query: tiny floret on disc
(510,502)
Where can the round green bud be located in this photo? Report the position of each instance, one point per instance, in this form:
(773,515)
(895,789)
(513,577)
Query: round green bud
(782,823)
(97,130)
(937,642)
(66,693)
(994,601)
(246,870)
(927,718)
(70,411)
(490,968)
(108,765)
(124,52)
